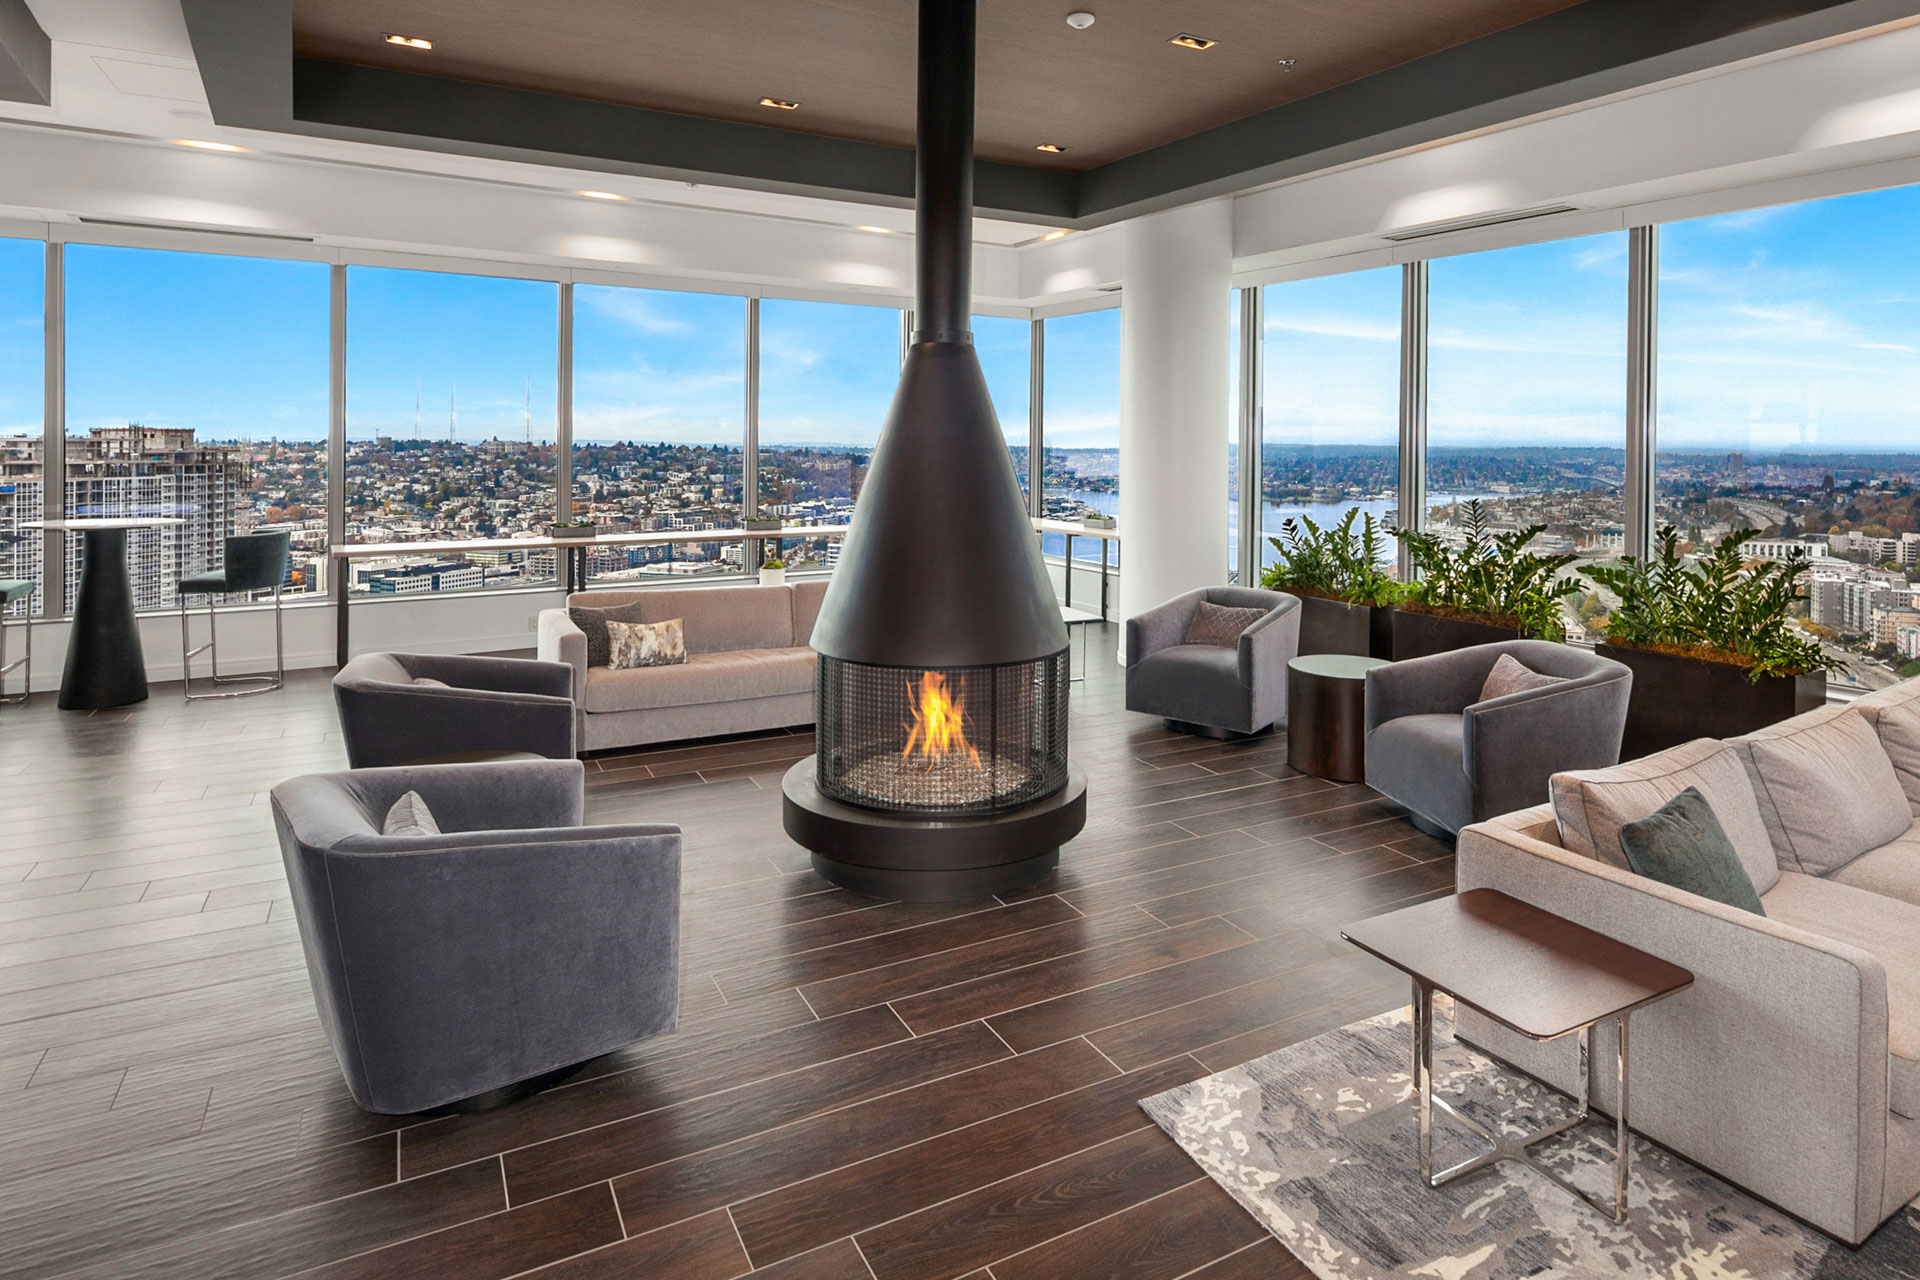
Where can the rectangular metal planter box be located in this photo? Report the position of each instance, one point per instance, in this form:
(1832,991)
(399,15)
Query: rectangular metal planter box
(1416,635)
(1676,699)
(1334,626)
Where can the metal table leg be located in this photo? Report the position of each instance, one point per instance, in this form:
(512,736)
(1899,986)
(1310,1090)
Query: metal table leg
(1104,544)
(1069,600)
(340,624)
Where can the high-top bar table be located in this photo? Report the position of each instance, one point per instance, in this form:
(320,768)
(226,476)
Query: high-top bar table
(105,666)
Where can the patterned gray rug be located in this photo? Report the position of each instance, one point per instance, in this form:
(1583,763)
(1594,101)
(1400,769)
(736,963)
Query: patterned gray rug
(1317,1141)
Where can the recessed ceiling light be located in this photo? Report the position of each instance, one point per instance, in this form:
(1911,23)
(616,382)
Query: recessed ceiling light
(203,145)
(1287,64)
(600,195)
(1080,21)
(1056,234)
(1186,41)
(406,42)
(1052,148)
(780,104)
(878,231)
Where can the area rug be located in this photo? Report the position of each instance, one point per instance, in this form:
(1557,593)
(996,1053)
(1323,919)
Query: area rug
(1318,1142)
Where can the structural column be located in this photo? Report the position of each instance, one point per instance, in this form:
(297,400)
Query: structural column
(1176,282)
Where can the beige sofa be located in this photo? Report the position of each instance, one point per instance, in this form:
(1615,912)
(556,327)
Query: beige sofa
(1792,1065)
(748,665)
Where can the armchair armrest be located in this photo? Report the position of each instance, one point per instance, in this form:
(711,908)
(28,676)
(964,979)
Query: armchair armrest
(1514,743)
(1162,626)
(391,725)
(1271,643)
(513,796)
(1778,1050)
(547,678)
(1440,684)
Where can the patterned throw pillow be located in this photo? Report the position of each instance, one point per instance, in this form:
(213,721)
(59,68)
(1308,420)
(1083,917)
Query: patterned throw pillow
(1219,624)
(646,644)
(409,817)
(593,621)
(1511,676)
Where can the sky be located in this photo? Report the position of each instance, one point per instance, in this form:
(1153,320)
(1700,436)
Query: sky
(1795,327)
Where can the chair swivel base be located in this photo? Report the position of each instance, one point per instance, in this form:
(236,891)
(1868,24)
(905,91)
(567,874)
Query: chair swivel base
(1213,731)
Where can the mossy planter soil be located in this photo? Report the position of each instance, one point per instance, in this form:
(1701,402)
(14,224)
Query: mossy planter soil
(1417,634)
(1677,698)
(1334,626)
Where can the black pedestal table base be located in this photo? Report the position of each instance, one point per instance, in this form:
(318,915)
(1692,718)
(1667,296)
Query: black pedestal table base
(105,666)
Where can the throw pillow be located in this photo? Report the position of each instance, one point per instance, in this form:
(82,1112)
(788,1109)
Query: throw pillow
(1220,624)
(428,682)
(409,817)
(593,621)
(1899,730)
(1511,676)
(1826,789)
(1683,844)
(647,644)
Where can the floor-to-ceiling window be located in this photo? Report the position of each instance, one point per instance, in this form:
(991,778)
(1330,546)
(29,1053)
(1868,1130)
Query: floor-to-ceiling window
(1331,388)
(450,425)
(22,387)
(659,424)
(1789,365)
(1233,432)
(1080,464)
(1526,405)
(196,388)
(827,376)
(1005,347)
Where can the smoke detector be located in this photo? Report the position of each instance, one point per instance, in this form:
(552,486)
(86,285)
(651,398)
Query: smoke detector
(1080,20)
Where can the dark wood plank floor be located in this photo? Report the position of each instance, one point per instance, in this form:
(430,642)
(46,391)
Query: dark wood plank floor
(857,1088)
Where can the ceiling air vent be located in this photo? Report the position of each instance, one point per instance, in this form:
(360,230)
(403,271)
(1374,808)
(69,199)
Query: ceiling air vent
(1426,229)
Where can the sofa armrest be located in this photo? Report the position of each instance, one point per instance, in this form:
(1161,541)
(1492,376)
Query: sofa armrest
(559,640)
(1770,1070)
(1162,626)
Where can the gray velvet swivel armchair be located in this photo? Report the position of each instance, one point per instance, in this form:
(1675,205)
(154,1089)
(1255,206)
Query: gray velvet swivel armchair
(1215,690)
(1435,747)
(487,705)
(473,966)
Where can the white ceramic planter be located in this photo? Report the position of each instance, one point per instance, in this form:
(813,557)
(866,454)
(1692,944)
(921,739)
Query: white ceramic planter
(773,577)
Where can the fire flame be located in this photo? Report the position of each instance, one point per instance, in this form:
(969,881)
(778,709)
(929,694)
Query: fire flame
(939,722)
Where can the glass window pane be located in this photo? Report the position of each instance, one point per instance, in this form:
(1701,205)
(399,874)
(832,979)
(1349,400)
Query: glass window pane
(659,424)
(1005,347)
(1790,403)
(827,376)
(1527,401)
(1233,433)
(197,387)
(1080,469)
(23,265)
(450,425)
(1330,434)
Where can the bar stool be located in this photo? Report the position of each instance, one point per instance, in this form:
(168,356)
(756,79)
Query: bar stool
(12,589)
(254,562)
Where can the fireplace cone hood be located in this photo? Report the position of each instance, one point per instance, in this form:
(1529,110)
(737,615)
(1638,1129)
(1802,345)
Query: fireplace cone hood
(941,567)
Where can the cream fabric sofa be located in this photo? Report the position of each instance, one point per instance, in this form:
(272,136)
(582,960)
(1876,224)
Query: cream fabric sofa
(1792,1065)
(748,666)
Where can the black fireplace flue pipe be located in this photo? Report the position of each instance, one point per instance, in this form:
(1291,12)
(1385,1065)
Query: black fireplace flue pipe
(943,192)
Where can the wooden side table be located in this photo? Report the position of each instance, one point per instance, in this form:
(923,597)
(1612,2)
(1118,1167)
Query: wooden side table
(1327,715)
(1532,972)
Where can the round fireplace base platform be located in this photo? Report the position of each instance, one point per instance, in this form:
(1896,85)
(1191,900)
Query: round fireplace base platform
(899,856)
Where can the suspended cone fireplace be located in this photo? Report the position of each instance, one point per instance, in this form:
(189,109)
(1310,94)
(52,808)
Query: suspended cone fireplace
(940,770)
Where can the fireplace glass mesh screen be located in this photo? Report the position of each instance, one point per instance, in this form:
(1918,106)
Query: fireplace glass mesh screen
(943,742)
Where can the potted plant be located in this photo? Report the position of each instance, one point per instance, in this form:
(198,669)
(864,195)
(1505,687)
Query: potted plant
(1712,642)
(1096,520)
(1346,594)
(570,529)
(764,524)
(1489,588)
(773,572)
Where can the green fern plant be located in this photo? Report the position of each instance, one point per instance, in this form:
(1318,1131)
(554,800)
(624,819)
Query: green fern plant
(1334,561)
(1717,602)
(1493,575)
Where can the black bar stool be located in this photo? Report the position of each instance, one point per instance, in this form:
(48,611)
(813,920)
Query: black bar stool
(254,562)
(12,589)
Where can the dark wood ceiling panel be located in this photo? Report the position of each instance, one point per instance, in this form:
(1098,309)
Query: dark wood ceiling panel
(1113,90)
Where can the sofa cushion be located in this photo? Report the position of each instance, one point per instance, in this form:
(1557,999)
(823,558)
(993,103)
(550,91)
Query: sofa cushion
(1825,788)
(1898,725)
(1421,762)
(806,608)
(1886,929)
(717,619)
(1682,844)
(1892,870)
(1591,805)
(702,678)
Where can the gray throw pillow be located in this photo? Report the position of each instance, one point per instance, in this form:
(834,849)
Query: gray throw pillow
(1511,676)
(1220,624)
(1683,844)
(647,644)
(593,621)
(409,817)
